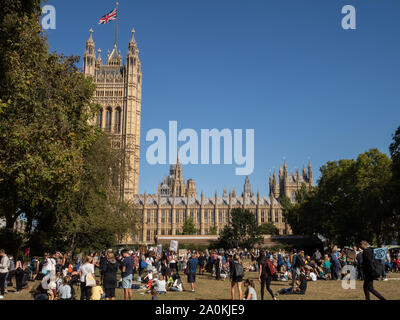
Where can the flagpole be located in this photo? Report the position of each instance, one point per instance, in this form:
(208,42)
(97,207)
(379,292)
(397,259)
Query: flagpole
(116,26)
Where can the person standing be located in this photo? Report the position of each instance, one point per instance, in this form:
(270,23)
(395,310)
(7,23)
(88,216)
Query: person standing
(317,256)
(265,276)
(295,271)
(192,268)
(335,264)
(236,276)
(84,270)
(4,264)
(10,274)
(19,273)
(127,274)
(369,270)
(110,269)
(218,267)
(103,260)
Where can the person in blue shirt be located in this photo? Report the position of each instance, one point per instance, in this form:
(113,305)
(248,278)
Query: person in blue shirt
(335,265)
(192,268)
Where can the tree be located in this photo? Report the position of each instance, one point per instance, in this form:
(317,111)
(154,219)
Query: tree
(94,217)
(45,108)
(56,167)
(189,227)
(269,228)
(395,183)
(213,230)
(350,203)
(244,231)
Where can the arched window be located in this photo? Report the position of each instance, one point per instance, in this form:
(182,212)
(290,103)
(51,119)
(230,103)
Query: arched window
(108,119)
(117,128)
(99,120)
(293,196)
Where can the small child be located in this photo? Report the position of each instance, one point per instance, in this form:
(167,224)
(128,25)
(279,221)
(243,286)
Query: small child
(97,292)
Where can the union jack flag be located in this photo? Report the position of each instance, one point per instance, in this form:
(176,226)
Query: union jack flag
(109,17)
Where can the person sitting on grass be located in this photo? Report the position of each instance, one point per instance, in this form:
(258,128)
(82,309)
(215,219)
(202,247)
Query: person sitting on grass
(148,277)
(250,293)
(64,291)
(170,281)
(300,289)
(97,292)
(160,285)
(327,267)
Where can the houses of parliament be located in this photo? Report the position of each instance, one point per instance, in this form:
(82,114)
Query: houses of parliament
(118,92)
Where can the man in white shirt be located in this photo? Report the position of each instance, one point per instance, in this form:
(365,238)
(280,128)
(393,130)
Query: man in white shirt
(4,266)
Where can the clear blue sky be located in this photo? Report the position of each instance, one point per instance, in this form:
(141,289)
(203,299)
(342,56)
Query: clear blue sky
(284,68)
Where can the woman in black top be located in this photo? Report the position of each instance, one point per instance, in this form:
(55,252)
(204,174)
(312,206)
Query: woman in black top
(19,273)
(110,276)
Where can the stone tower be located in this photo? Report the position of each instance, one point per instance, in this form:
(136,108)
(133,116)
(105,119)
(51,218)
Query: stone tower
(119,93)
(290,183)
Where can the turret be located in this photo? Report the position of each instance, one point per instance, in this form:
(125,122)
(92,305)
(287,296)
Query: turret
(99,62)
(310,174)
(89,57)
(271,185)
(132,58)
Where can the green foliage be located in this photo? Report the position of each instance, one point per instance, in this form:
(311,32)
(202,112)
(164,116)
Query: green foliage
(189,228)
(94,217)
(12,242)
(243,232)
(213,230)
(395,183)
(51,157)
(269,228)
(351,202)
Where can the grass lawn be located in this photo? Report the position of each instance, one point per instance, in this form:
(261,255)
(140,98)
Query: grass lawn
(208,288)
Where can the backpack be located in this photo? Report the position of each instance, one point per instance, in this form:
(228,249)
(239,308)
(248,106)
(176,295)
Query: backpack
(143,264)
(376,269)
(238,270)
(270,268)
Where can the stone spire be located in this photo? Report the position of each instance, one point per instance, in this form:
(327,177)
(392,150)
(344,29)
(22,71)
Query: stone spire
(89,58)
(99,62)
(247,188)
(310,174)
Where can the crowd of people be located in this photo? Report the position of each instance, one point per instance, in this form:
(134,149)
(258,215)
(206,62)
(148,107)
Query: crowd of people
(61,276)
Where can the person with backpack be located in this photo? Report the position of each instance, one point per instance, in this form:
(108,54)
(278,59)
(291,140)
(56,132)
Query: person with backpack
(86,273)
(236,276)
(267,271)
(371,270)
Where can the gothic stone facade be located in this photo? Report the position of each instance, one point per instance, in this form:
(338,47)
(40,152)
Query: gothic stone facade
(165,213)
(119,93)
